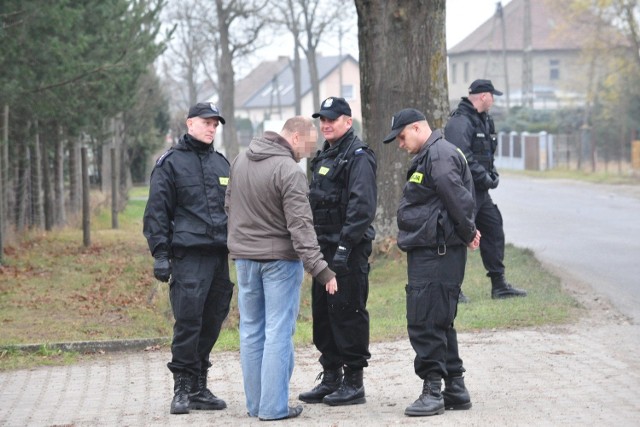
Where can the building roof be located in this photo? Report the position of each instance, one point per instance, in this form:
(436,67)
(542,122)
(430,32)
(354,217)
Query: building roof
(549,29)
(257,89)
(257,78)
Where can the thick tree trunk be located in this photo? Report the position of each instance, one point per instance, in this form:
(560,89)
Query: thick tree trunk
(402,64)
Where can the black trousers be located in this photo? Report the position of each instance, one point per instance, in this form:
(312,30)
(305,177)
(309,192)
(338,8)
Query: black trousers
(489,222)
(432,304)
(341,320)
(200,293)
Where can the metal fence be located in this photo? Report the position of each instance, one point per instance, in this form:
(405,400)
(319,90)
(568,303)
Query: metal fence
(538,151)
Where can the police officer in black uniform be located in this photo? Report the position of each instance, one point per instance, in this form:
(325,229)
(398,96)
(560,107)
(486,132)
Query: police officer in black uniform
(343,197)
(435,227)
(471,128)
(186,227)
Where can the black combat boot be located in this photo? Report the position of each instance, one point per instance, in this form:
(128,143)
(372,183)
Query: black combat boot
(181,388)
(500,289)
(430,401)
(350,392)
(201,397)
(455,394)
(331,380)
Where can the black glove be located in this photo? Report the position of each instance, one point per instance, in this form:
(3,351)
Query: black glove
(487,182)
(495,180)
(340,259)
(162,268)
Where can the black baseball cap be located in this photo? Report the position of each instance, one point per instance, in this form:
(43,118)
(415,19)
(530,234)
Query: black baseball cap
(401,119)
(332,108)
(205,110)
(482,86)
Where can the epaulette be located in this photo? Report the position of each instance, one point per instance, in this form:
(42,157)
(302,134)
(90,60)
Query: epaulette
(164,156)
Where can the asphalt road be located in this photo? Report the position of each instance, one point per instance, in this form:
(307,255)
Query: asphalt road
(589,232)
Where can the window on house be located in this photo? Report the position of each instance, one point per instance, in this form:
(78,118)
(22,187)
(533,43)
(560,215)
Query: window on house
(554,69)
(454,71)
(347,92)
(466,71)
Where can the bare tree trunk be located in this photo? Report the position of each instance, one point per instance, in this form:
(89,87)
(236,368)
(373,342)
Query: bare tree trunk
(114,186)
(49,215)
(86,207)
(3,178)
(226,85)
(37,209)
(75,173)
(402,64)
(313,75)
(22,189)
(123,166)
(297,85)
(60,214)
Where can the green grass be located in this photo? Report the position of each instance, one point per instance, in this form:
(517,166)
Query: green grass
(52,290)
(599,177)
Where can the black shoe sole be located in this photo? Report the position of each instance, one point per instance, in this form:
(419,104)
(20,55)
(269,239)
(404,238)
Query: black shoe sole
(311,400)
(293,413)
(409,413)
(207,407)
(458,407)
(357,401)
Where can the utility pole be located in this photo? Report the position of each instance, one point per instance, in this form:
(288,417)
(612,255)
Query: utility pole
(527,66)
(500,14)
(340,35)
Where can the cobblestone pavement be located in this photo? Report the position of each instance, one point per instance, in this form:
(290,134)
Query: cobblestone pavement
(581,374)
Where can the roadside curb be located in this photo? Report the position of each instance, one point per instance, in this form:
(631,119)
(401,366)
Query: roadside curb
(91,346)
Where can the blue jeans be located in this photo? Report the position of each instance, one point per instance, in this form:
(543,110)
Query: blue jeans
(269,300)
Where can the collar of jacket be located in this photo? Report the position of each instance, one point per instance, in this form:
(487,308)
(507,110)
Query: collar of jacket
(466,107)
(335,149)
(278,139)
(188,142)
(435,135)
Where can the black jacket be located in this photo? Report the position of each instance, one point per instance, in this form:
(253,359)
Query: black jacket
(186,199)
(474,134)
(343,192)
(437,205)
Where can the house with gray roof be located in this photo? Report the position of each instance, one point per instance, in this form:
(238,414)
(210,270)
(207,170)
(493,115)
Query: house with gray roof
(532,50)
(267,92)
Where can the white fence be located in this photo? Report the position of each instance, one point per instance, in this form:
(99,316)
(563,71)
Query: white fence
(525,151)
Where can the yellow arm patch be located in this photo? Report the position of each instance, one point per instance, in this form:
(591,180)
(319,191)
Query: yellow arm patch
(323,170)
(224,180)
(417,178)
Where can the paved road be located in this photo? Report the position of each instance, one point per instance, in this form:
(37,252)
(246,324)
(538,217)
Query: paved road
(588,231)
(585,374)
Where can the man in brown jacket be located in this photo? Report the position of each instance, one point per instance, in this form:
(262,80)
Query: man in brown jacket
(272,239)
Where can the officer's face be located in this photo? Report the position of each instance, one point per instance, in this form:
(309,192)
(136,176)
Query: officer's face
(333,130)
(203,130)
(409,139)
(487,101)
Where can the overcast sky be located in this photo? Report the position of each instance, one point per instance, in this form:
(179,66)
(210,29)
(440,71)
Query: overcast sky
(463,16)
